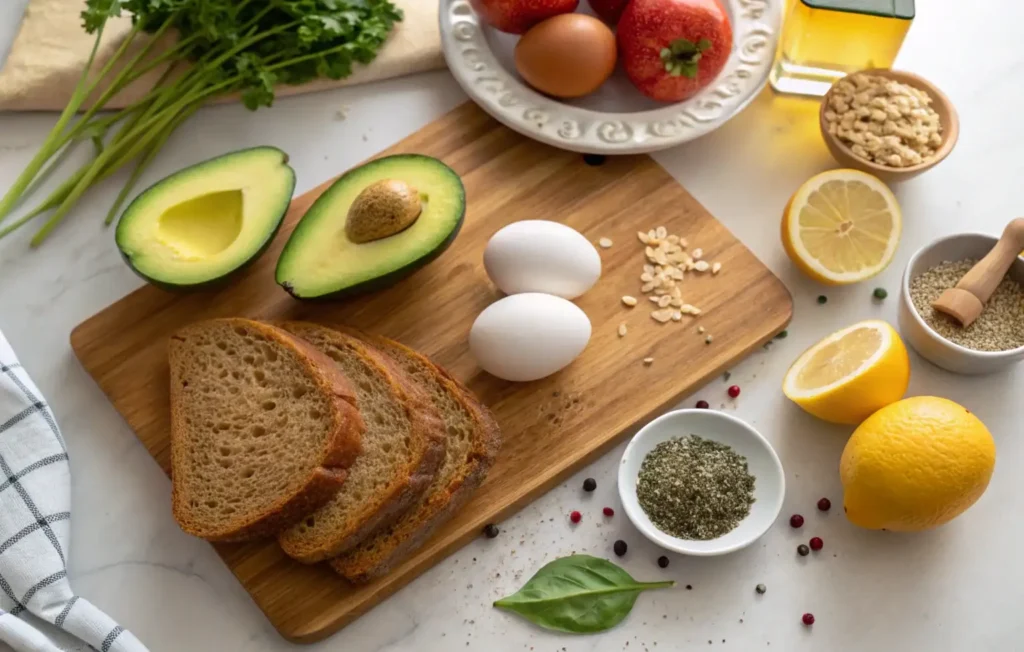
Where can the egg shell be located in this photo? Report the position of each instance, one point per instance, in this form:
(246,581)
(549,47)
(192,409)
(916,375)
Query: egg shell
(526,337)
(569,55)
(542,256)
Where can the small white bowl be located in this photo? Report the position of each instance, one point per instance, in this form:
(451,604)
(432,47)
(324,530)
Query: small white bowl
(929,344)
(763,463)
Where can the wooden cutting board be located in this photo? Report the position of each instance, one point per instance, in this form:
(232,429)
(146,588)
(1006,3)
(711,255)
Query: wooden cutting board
(551,427)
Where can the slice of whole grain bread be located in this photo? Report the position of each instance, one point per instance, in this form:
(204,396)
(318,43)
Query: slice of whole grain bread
(262,429)
(473,443)
(402,448)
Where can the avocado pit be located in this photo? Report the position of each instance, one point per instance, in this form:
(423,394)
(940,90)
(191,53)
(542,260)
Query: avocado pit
(381,210)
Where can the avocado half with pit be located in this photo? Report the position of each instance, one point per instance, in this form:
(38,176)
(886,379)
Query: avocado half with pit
(376,224)
(205,222)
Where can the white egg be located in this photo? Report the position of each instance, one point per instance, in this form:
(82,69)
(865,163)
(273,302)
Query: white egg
(528,336)
(542,256)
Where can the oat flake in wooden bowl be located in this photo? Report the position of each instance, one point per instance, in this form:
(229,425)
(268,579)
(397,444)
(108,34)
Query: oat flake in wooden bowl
(889,123)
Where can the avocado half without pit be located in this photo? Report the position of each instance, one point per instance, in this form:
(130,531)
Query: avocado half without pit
(207,221)
(376,224)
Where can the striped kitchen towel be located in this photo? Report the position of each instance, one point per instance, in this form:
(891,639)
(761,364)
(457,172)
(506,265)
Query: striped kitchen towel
(35,519)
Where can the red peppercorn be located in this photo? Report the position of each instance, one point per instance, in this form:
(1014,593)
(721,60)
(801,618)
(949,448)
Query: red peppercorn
(824,504)
(816,543)
(796,521)
(608,511)
(702,405)
(734,391)
(575,516)
(808,619)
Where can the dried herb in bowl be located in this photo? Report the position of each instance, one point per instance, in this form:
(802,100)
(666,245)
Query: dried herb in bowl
(695,488)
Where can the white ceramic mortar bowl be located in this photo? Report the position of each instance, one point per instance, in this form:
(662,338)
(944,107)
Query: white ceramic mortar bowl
(763,463)
(919,335)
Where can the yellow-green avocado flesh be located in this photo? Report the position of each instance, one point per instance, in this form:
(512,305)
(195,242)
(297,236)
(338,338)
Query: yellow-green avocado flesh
(202,223)
(319,261)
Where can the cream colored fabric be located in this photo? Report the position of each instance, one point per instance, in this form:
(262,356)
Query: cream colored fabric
(51,49)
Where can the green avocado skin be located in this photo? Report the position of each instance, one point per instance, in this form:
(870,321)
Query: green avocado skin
(382,282)
(274,224)
(385,280)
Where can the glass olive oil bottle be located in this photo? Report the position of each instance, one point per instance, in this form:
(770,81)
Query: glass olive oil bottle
(823,40)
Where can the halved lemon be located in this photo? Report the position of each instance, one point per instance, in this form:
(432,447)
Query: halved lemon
(841,226)
(851,374)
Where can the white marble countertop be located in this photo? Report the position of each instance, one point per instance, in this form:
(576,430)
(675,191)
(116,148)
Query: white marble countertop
(956,588)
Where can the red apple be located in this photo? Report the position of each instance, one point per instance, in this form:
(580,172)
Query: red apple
(608,10)
(671,49)
(517,16)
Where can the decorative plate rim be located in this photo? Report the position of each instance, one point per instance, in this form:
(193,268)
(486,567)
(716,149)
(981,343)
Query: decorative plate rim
(470,59)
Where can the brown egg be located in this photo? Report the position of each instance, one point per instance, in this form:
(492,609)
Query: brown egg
(568,55)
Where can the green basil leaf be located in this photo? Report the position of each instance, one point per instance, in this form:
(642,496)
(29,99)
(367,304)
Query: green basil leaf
(578,594)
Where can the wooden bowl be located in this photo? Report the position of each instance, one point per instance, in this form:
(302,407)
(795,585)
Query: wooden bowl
(947,118)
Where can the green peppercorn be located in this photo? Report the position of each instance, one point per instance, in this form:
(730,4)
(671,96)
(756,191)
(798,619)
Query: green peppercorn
(822,299)
(880,293)
(783,335)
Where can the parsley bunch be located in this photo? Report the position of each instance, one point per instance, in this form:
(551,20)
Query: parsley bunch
(222,46)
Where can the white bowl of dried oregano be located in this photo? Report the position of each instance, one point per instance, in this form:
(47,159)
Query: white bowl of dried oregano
(994,341)
(701,482)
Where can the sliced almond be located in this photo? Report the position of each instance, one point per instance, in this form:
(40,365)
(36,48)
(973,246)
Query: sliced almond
(677,273)
(647,287)
(663,315)
(648,269)
(716,267)
(649,252)
(652,235)
(701,266)
(661,232)
(660,258)
(677,293)
(700,329)
(629,301)
(642,237)
(676,315)
(622,330)
(673,239)
(664,300)
(654,299)
(648,361)
(605,242)
(661,290)
(697,253)
(683,243)
(676,302)
(688,309)
(646,277)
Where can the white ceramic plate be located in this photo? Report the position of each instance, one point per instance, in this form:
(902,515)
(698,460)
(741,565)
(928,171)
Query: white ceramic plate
(617,119)
(763,463)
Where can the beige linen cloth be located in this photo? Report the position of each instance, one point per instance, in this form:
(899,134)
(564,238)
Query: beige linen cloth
(51,49)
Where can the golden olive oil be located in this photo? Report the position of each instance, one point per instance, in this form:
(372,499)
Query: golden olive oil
(823,40)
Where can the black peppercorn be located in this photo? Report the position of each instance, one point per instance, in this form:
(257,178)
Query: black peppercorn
(803,550)
(761,589)
(663,562)
(822,299)
(491,530)
(619,547)
(589,484)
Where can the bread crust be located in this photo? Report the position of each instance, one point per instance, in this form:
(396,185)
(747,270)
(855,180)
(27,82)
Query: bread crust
(341,446)
(426,427)
(416,527)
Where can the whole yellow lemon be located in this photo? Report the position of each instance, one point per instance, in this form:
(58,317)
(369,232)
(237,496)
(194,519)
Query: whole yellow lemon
(915,464)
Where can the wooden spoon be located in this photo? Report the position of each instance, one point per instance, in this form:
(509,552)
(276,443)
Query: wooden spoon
(966,301)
